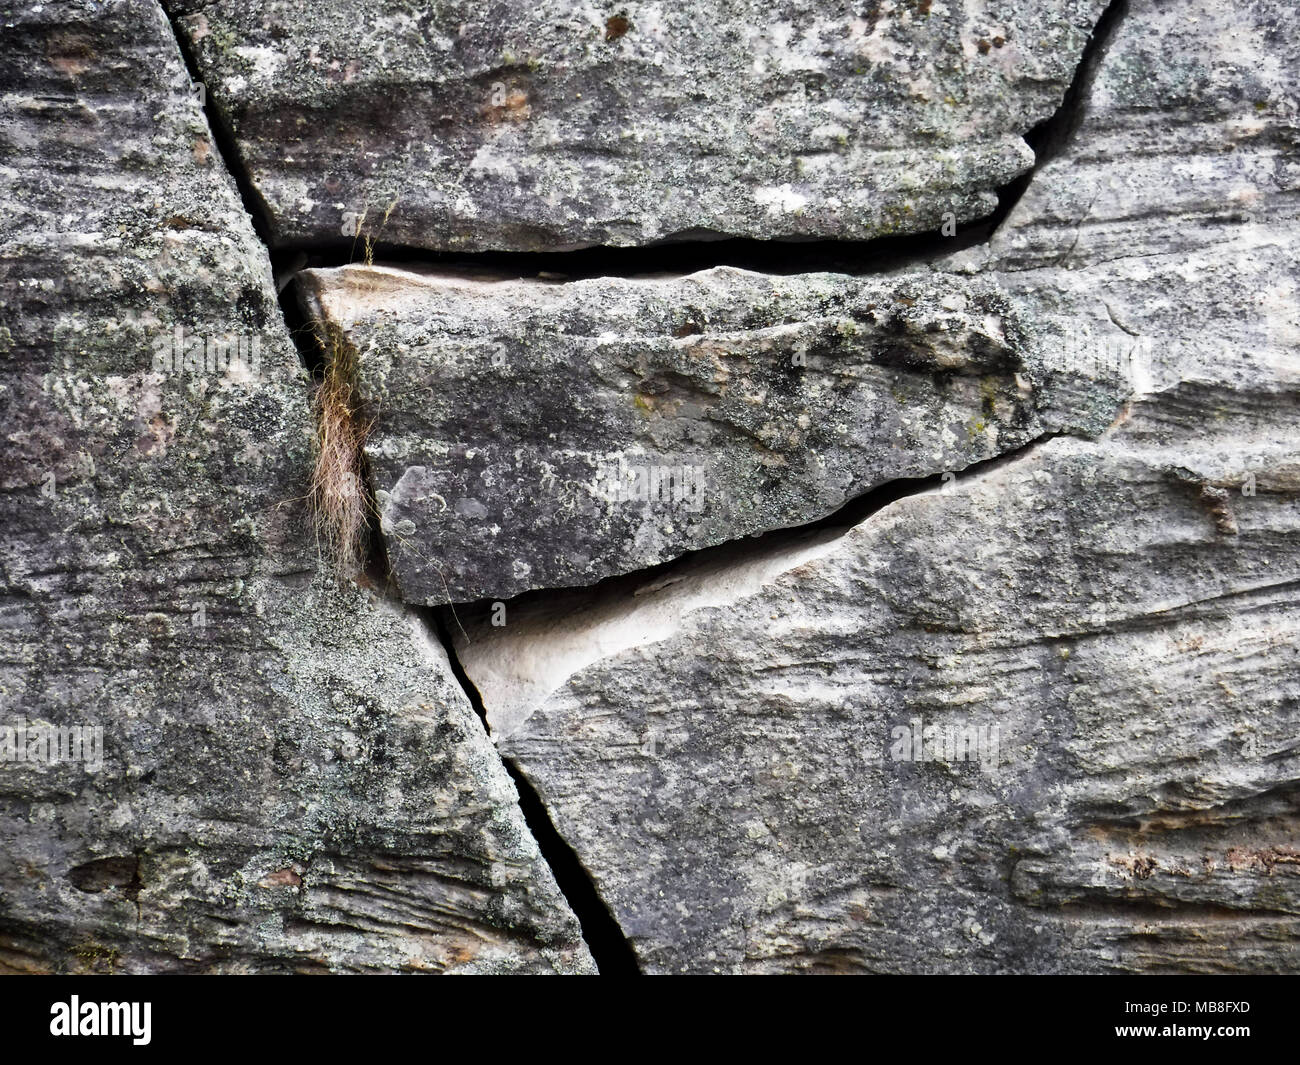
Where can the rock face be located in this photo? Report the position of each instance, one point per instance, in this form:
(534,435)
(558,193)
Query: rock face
(1044,720)
(983,731)
(531,434)
(941,619)
(532,126)
(285,777)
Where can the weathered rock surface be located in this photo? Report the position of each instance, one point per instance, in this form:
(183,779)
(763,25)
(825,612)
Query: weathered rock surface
(722,747)
(1170,218)
(533,434)
(290,780)
(1041,719)
(532,126)
(731,750)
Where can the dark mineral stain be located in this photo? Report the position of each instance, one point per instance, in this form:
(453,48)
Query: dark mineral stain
(616,26)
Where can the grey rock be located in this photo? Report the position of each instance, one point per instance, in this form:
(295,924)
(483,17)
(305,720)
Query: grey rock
(532,434)
(533,126)
(287,777)
(722,750)
(730,748)
(1037,718)
(1169,221)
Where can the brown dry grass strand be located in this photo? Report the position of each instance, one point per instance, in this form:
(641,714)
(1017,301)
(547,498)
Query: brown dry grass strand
(340,500)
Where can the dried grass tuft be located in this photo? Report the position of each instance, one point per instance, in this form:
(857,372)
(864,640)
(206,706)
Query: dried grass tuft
(340,501)
(343,506)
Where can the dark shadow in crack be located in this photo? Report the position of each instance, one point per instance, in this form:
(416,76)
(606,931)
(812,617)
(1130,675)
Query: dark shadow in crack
(853,512)
(1050,136)
(609,947)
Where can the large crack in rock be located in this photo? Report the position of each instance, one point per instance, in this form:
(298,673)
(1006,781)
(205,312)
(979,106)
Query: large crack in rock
(288,778)
(530,434)
(532,126)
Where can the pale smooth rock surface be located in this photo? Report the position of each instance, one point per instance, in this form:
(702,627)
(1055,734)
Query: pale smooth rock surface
(542,126)
(289,778)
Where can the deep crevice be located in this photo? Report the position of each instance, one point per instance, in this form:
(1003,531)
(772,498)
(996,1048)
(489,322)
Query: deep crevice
(1049,137)
(609,947)
(223,136)
(781,257)
(1046,138)
(314,349)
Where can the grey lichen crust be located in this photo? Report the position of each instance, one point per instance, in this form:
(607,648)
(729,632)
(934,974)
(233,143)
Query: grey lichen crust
(288,777)
(540,126)
(530,434)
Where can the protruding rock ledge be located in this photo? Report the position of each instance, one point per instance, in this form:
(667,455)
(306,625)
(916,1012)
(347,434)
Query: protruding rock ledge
(534,434)
(529,125)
